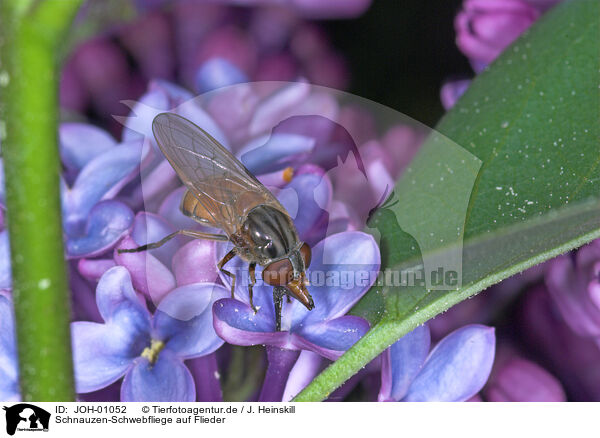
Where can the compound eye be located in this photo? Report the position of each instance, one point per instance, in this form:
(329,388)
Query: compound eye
(306,255)
(278,273)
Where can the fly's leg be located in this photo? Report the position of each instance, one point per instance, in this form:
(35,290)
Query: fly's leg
(228,256)
(251,270)
(188,233)
(278,293)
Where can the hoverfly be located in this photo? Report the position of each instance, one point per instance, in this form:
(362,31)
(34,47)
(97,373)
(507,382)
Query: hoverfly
(222,193)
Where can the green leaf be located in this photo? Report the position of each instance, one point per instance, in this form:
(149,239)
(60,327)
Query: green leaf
(512,178)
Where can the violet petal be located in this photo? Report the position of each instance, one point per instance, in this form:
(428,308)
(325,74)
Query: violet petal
(168,380)
(184,319)
(195,263)
(150,228)
(103,352)
(80,143)
(5,270)
(9,373)
(343,267)
(457,368)
(148,274)
(217,73)
(332,338)
(402,362)
(275,152)
(237,324)
(108,221)
(100,179)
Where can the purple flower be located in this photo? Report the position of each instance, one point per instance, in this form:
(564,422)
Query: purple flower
(574,284)
(9,372)
(521,380)
(156,273)
(455,370)
(569,356)
(206,45)
(484,28)
(148,350)
(324,330)
(97,169)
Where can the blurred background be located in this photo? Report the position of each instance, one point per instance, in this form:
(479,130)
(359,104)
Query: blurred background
(397,54)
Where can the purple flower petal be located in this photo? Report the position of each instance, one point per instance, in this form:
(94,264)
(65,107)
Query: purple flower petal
(232,108)
(80,143)
(107,223)
(139,124)
(5,270)
(102,178)
(9,373)
(93,269)
(115,296)
(522,380)
(484,28)
(569,286)
(263,293)
(331,338)
(275,152)
(344,267)
(184,319)
(217,73)
(149,275)
(168,380)
(103,352)
(457,368)
(156,181)
(195,263)
(402,362)
(305,369)
(150,228)
(236,323)
(277,107)
(312,192)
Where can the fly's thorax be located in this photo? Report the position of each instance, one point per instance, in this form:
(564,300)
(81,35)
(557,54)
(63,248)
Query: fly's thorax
(269,234)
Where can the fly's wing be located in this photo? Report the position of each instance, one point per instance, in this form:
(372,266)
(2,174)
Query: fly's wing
(224,190)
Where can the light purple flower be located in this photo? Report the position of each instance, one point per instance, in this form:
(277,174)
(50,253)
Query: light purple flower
(9,372)
(522,380)
(455,370)
(97,169)
(148,350)
(324,330)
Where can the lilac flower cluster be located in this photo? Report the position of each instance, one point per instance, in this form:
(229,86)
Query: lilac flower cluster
(151,325)
(484,28)
(204,45)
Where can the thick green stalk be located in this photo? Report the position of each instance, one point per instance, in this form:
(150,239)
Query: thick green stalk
(32,33)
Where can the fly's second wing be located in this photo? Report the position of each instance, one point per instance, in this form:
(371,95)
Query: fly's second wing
(223,190)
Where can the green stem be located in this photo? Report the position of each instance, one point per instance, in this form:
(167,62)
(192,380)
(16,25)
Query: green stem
(32,33)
